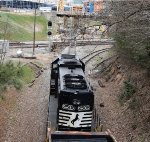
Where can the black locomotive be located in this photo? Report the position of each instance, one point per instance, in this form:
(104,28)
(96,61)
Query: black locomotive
(75,97)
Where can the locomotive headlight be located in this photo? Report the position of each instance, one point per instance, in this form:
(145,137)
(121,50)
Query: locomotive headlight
(84,108)
(76,102)
(68,107)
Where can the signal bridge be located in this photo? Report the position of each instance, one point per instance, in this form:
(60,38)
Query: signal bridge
(104,18)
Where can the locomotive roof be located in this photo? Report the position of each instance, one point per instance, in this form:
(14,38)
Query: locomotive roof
(73,80)
(70,62)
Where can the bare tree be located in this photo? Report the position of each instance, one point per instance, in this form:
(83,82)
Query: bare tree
(129,24)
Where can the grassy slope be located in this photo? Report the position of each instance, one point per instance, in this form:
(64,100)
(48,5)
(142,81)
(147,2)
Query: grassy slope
(28,74)
(15,74)
(20,27)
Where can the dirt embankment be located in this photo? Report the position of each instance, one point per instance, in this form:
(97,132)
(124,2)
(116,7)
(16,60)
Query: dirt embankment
(23,114)
(7,104)
(125,95)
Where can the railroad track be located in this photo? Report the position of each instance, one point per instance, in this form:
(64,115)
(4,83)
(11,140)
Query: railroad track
(107,61)
(60,43)
(92,55)
(27,45)
(114,57)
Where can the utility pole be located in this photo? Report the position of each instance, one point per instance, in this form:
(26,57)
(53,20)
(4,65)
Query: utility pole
(34,32)
(34,26)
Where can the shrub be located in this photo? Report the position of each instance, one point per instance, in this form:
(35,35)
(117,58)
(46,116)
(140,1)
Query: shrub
(128,90)
(2,88)
(2,97)
(134,103)
(16,82)
(14,74)
(128,47)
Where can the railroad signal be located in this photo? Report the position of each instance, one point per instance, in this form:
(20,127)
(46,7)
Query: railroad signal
(49,33)
(49,23)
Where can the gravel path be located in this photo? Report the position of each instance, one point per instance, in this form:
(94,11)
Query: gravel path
(29,118)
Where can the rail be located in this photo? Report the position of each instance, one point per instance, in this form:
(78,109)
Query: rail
(60,43)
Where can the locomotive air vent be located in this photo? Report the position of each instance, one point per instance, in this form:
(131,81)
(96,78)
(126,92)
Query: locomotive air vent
(75,81)
(67,56)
